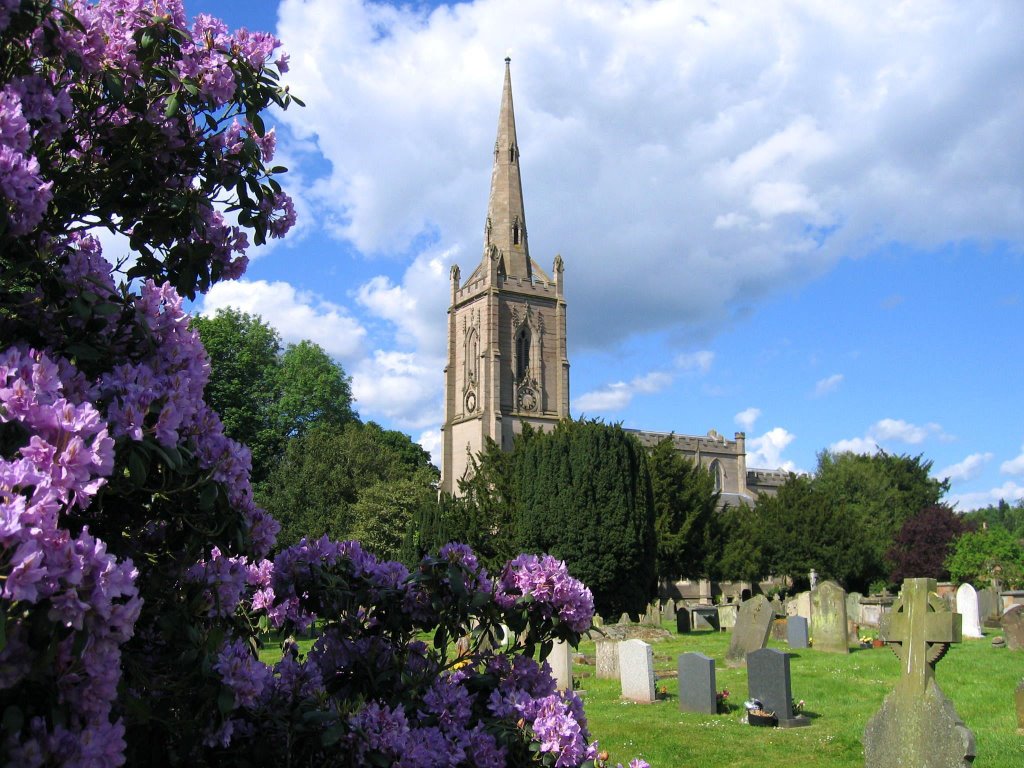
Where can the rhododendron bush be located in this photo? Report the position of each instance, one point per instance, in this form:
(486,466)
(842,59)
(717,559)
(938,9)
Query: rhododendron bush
(135,579)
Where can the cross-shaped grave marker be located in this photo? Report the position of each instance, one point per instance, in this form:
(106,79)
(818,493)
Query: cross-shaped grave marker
(917,726)
(919,629)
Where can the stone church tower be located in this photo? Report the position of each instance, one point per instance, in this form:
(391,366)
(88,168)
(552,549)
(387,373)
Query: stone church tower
(507,359)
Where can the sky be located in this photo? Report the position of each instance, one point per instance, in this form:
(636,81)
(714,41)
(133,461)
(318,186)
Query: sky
(801,220)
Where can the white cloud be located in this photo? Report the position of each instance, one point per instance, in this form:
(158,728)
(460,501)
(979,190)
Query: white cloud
(766,451)
(296,315)
(855,445)
(747,417)
(968,469)
(1013,466)
(617,396)
(829,384)
(699,362)
(400,387)
(710,153)
(431,442)
(889,431)
(1009,491)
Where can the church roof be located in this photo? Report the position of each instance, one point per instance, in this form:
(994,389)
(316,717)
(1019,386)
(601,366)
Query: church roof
(505,227)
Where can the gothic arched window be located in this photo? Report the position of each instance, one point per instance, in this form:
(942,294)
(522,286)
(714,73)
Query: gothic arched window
(472,357)
(716,473)
(522,353)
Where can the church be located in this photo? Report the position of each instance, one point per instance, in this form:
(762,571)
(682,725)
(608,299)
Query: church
(508,361)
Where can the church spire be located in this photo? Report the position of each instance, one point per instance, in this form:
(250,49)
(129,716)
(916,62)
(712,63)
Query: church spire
(506,217)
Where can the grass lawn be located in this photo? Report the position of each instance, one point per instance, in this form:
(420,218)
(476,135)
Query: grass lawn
(840,693)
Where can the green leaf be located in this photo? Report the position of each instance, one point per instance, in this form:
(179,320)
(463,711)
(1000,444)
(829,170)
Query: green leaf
(138,467)
(13,719)
(173,104)
(225,701)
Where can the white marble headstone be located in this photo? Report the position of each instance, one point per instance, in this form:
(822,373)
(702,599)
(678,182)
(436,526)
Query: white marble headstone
(636,671)
(967,606)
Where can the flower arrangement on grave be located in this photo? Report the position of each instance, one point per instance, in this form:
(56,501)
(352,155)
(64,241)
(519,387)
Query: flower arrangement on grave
(722,701)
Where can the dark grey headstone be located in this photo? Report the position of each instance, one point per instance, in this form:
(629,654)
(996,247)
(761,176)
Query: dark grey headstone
(768,681)
(697,691)
(751,632)
(796,632)
(1013,627)
(682,620)
(705,617)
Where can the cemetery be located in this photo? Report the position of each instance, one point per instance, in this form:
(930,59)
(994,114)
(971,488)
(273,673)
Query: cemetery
(841,692)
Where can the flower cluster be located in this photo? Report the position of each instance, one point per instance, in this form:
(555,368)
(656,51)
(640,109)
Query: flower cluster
(47,571)
(552,591)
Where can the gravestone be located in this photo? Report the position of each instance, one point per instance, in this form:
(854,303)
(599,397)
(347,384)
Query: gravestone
(607,663)
(917,725)
(967,606)
(777,606)
(652,616)
(796,632)
(1019,694)
(1013,628)
(560,661)
(682,621)
(705,617)
(636,671)
(697,691)
(598,621)
(828,618)
(853,607)
(751,633)
(727,615)
(768,681)
(668,611)
(625,619)
(988,607)
(803,605)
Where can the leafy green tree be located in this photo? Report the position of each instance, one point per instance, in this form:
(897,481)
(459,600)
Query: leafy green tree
(878,494)
(979,557)
(315,487)
(803,529)
(923,544)
(582,492)
(738,547)
(313,390)
(383,511)
(1010,517)
(685,500)
(243,386)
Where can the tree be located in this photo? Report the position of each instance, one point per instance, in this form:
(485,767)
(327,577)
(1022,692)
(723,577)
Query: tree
(879,493)
(384,511)
(979,557)
(244,383)
(739,533)
(924,543)
(582,492)
(685,500)
(1010,517)
(314,489)
(313,390)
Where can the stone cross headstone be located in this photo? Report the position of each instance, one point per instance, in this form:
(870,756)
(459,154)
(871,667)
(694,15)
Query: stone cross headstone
(917,725)
(751,632)
(829,631)
(967,606)
(560,661)
(607,662)
(768,681)
(697,691)
(682,621)
(1013,628)
(636,671)
(796,632)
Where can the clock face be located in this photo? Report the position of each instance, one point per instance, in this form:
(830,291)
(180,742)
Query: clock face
(527,399)
(471,402)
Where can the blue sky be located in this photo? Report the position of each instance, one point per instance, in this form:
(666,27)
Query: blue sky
(803,220)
